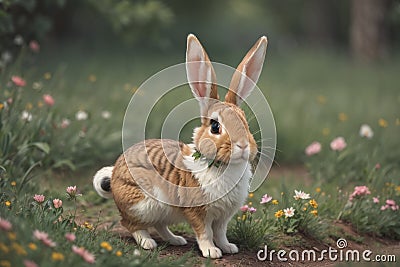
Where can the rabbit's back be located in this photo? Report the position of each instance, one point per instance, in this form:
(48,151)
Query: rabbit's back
(148,175)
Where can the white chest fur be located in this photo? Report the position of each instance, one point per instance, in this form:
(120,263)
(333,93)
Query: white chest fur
(226,187)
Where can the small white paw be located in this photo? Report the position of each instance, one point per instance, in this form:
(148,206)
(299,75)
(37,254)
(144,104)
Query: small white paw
(212,252)
(148,243)
(229,248)
(177,241)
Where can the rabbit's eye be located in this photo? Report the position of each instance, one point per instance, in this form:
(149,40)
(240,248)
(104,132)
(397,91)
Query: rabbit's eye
(215,127)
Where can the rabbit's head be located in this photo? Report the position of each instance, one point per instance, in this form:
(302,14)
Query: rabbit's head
(224,135)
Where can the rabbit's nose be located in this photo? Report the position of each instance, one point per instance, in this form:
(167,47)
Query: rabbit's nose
(242,146)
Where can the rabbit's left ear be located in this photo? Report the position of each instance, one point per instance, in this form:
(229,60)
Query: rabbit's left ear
(247,73)
(200,74)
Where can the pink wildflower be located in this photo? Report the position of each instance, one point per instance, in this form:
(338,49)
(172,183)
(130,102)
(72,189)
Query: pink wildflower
(359,191)
(377,166)
(48,100)
(70,237)
(5,225)
(57,203)
(65,123)
(244,208)
(39,198)
(28,263)
(265,199)
(313,148)
(375,200)
(71,190)
(34,46)
(338,144)
(18,81)
(86,255)
(48,242)
(390,202)
(44,237)
(252,210)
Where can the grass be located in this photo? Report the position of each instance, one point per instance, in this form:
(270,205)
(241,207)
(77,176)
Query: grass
(314,95)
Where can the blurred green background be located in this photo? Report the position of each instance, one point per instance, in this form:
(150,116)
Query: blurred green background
(331,65)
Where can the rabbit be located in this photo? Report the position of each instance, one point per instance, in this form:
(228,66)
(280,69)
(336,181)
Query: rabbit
(217,166)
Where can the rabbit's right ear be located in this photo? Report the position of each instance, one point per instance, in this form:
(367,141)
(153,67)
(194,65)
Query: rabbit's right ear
(200,74)
(247,73)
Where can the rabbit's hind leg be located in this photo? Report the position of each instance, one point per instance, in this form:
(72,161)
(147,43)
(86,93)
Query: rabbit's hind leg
(169,237)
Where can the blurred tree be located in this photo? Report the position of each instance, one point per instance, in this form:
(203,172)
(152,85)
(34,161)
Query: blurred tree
(136,20)
(26,20)
(369,29)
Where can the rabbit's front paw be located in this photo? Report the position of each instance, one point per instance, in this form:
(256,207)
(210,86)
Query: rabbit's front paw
(211,252)
(148,243)
(229,248)
(177,241)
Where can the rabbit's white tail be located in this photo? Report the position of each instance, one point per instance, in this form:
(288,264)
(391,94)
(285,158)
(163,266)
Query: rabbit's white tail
(101,182)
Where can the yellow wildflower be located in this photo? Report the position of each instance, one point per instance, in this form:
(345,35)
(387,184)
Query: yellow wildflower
(304,208)
(88,226)
(318,189)
(8,203)
(5,264)
(279,213)
(47,76)
(383,123)
(250,203)
(32,246)
(314,212)
(1,106)
(343,117)
(13,183)
(313,203)
(275,202)
(244,217)
(118,253)
(12,236)
(57,256)
(19,249)
(106,245)
(92,78)
(321,99)
(238,218)
(398,188)
(4,248)
(326,131)
(251,195)
(28,106)
(40,104)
